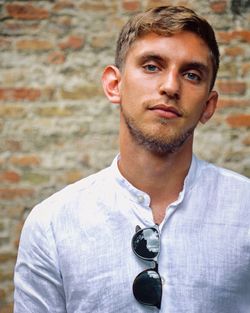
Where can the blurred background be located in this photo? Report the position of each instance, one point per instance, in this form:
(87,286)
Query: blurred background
(56,125)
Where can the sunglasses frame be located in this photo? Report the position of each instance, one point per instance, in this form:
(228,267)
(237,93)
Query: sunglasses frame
(154,268)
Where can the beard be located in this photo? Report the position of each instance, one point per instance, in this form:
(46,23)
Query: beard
(160,145)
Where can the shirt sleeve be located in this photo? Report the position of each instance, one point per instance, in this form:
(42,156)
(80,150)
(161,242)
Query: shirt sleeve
(38,281)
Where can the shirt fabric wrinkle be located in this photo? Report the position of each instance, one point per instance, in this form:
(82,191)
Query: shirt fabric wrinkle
(81,239)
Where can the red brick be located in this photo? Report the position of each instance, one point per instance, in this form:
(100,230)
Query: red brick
(225,103)
(131,5)
(232,87)
(227,37)
(12,145)
(17,27)
(56,57)
(33,45)
(72,42)
(25,160)
(10,194)
(241,120)
(246,69)
(234,51)
(7,256)
(60,5)
(243,35)
(26,12)
(218,6)
(29,94)
(246,140)
(5,44)
(10,176)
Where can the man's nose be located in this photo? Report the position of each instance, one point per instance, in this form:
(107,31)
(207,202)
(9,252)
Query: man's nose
(170,85)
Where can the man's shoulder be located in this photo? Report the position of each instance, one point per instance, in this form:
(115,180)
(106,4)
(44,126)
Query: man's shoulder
(221,175)
(69,197)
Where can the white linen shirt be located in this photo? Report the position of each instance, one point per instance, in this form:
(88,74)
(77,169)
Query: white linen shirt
(75,251)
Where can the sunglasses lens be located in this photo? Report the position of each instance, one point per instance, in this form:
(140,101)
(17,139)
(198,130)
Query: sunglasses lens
(147,288)
(146,243)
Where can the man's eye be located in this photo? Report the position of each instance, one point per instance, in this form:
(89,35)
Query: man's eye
(192,76)
(151,68)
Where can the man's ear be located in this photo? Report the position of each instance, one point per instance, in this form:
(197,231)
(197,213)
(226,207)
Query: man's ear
(110,81)
(210,107)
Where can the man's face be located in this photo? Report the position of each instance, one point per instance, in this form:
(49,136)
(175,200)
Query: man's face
(164,90)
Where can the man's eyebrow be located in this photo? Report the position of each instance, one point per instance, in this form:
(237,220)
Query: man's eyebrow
(197,66)
(150,57)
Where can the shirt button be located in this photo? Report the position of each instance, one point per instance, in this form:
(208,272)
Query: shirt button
(140,199)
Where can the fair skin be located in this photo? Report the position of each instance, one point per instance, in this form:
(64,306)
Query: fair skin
(164,91)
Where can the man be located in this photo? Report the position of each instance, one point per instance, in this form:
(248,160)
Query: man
(189,221)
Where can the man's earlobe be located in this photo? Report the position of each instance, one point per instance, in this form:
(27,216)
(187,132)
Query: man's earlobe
(210,107)
(110,81)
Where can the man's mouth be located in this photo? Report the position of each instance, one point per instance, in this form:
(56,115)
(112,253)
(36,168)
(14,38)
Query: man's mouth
(166,111)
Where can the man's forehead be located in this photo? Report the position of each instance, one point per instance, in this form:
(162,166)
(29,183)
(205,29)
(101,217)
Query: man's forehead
(184,45)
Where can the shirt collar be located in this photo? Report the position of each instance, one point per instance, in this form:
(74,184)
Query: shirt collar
(144,198)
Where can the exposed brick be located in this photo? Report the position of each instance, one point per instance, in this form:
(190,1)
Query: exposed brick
(218,7)
(241,120)
(54,111)
(246,140)
(85,92)
(228,69)
(12,111)
(246,69)
(234,51)
(73,42)
(33,45)
(25,160)
(72,176)
(11,194)
(100,41)
(17,27)
(26,12)
(61,5)
(237,103)
(227,37)
(232,87)
(7,256)
(56,57)
(8,308)
(15,212)
(93,7)
(35,178)
(131,5)
(9,176)
(155,3)
(243,35)
(5,44)
(12,145)
(30,94)
(2,294)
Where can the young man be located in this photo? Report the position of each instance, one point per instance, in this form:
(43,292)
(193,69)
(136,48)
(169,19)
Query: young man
(191,250)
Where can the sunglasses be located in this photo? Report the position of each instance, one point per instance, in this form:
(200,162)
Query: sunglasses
(147,286)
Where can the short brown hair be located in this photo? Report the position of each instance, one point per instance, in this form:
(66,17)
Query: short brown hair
(166,21)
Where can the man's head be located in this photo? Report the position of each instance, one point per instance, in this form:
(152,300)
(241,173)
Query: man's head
(166,21)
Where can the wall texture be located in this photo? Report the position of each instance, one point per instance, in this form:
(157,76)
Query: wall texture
(55,124)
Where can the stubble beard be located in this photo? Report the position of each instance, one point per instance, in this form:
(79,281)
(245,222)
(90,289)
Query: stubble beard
(154,144)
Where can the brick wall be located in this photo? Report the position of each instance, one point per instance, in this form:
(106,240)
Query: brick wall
(55,124)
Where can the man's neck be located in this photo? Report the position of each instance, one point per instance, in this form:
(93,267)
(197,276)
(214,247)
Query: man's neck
(161,177)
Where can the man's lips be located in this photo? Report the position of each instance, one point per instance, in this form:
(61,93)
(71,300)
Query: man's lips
(166,111)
